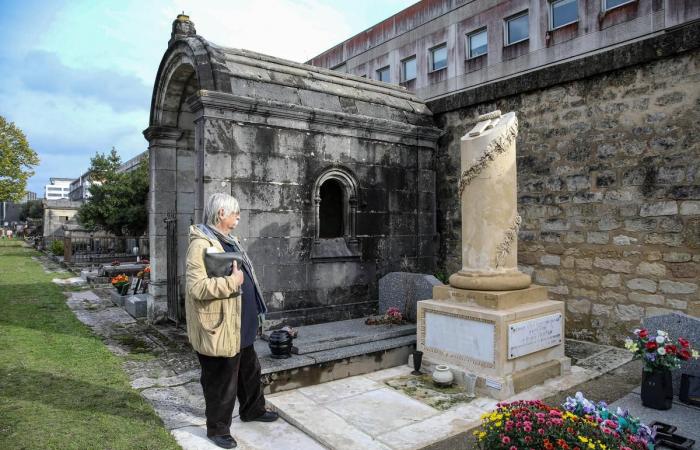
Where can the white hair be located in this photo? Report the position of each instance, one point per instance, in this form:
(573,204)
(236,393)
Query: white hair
(218,202)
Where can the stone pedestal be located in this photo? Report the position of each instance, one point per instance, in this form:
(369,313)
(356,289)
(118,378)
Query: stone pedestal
(490,321)
(511,340)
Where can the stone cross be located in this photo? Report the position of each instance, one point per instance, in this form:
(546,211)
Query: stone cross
(488,194)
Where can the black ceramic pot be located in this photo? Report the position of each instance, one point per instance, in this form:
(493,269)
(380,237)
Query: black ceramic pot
(280,343)
(657,389)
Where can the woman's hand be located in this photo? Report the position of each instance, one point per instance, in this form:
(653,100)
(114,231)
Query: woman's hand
(237,274)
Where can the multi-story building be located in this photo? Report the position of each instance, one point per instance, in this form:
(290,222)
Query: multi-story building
(28,197)
(80,188)
(439,47)
(58,188)
(131,164)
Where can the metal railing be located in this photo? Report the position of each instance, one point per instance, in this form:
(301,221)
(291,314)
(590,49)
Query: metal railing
(81,250)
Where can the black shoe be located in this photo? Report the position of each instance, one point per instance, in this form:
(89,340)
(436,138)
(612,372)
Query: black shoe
(225,441)
(267,416)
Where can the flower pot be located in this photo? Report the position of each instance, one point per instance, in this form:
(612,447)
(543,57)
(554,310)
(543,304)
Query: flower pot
(657,389)
(442,376)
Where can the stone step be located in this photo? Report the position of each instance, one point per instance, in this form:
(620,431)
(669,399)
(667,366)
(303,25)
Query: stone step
(344,333)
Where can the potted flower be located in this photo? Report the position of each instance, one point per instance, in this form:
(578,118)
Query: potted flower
(661,354)
(121,284)
(530,424)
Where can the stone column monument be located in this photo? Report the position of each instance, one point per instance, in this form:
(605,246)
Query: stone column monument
(490,320)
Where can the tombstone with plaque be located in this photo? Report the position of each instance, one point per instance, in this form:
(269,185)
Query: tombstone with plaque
(490,320)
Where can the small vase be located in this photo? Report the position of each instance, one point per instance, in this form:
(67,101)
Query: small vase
(417,360)
(657,389)
(442,376)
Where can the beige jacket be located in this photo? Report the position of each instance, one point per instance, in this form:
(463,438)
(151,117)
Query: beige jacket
(212,305)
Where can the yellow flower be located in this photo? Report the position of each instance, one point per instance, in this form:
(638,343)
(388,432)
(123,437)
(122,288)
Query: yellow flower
(583,439)
(591,445)
(481,435)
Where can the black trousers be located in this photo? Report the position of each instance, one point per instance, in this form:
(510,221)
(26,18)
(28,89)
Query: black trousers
(223,379)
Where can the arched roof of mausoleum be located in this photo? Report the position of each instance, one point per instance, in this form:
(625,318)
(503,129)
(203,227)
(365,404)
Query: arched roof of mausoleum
(264,78)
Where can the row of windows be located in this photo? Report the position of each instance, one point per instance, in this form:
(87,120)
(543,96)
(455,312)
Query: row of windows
(516,29)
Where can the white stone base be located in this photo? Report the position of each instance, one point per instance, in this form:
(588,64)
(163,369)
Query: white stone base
(469,337)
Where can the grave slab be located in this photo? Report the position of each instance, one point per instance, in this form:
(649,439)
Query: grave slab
(381,410)
(325,426)
(344,333)
(685,417)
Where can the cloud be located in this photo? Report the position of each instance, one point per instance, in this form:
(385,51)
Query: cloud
(43,72)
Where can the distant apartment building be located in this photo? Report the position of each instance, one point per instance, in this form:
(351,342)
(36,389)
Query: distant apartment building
(80,188)
(28,197)
(131,164)
(58,188)
(439,47)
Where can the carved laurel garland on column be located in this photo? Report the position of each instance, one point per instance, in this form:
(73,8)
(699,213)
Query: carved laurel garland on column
(506,245)
(495,148)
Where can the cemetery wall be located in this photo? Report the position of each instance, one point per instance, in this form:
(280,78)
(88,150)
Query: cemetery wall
(608,178)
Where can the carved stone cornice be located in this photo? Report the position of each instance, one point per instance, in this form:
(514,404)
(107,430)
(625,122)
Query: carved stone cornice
(153,133)
(213,103)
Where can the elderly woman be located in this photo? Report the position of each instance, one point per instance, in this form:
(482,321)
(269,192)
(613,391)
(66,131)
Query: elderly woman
(223,318)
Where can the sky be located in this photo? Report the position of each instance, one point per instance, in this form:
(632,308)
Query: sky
(77,76)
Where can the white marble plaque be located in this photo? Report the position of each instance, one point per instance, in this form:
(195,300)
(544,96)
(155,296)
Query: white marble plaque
(460,337)
(533,335)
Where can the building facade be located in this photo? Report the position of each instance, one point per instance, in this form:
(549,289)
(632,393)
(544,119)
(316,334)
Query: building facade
(58,188)
(80,188)
(439,47)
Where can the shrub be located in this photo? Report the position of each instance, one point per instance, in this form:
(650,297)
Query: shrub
(57,248)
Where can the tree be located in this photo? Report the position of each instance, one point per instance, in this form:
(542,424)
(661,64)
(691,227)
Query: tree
(117,201)
(33,209)
(16,161)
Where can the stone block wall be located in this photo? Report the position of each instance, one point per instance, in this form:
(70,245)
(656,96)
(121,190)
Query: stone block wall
(609,192)
(272,172)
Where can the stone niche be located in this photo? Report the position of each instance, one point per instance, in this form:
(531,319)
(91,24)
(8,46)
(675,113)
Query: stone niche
(334,174)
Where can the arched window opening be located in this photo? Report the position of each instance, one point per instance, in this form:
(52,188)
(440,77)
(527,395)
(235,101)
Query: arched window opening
(331,212)
(335,215)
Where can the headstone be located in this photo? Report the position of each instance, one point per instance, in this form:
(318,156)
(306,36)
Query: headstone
(403,290)
(137,305)
(679,325)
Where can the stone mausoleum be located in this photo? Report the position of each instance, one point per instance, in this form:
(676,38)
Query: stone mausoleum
(334,174)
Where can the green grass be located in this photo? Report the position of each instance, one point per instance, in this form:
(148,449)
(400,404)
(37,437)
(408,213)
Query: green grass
(60,387)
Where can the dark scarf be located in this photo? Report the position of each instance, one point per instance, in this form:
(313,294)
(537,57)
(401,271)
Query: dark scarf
(213,233)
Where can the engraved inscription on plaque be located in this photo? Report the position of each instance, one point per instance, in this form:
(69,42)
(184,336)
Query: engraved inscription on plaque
(460,337)
(532,335)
